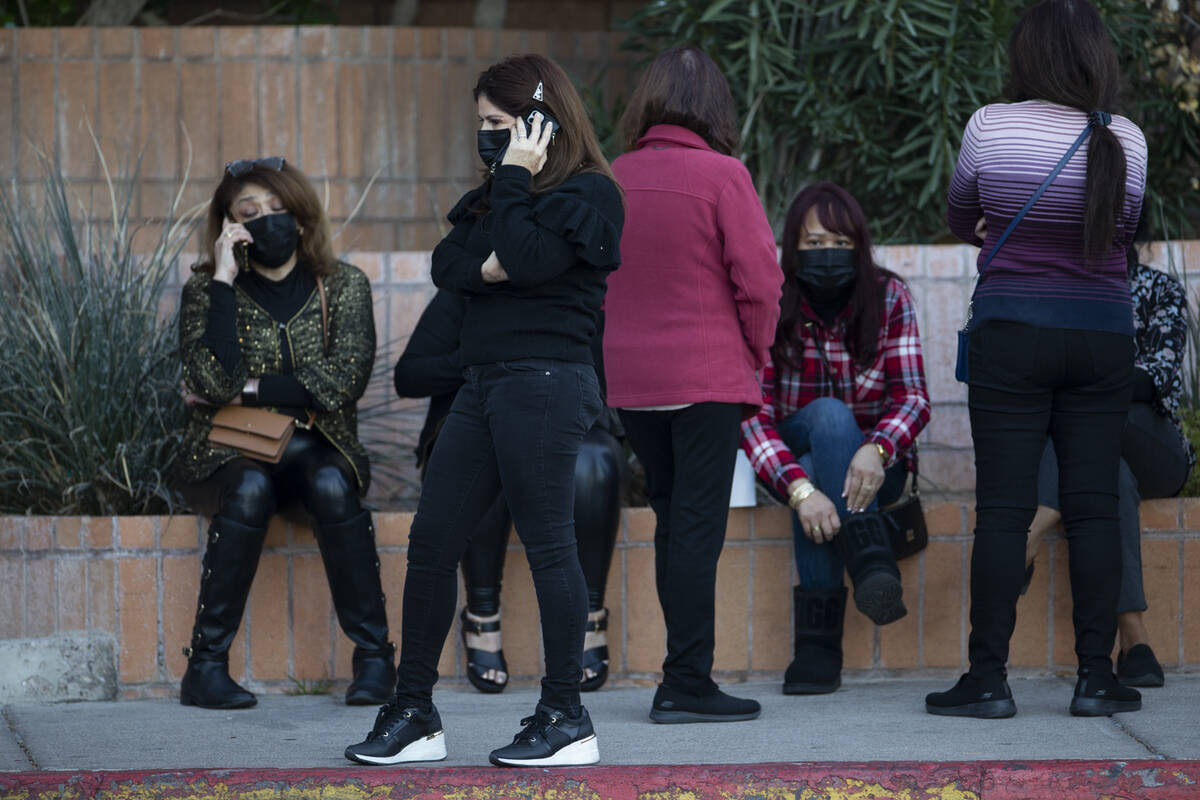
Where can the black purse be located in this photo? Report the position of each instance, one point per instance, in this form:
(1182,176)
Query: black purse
(906,522)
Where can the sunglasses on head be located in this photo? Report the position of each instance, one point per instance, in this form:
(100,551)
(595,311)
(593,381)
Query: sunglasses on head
(242,166)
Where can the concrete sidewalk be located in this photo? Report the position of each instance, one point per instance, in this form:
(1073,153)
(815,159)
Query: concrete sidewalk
(880,721)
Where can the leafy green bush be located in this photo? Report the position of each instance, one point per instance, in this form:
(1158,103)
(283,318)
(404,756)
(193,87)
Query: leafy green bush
(90,412)
(874,94)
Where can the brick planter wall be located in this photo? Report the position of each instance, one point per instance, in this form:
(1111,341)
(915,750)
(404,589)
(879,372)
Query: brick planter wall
(137,578)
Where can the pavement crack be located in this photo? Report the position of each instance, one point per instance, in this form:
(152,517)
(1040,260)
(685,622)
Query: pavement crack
(1128,731)
(18,738)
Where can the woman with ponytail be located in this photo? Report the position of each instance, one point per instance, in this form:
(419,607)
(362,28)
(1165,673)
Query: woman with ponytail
(1051,340)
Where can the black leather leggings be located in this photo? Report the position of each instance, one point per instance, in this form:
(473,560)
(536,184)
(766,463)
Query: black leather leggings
(312,473)
(598,488)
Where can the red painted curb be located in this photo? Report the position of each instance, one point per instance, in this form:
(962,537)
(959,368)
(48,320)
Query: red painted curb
(1006,780)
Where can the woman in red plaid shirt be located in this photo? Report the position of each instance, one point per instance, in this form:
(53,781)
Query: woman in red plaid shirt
(843,401)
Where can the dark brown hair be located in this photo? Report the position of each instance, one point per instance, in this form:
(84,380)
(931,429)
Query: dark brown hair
(1061,52)
(510,84)
(840,213)
(684,87)
(299,199)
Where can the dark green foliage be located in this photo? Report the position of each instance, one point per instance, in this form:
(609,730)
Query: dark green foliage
(874,94)
(90,411)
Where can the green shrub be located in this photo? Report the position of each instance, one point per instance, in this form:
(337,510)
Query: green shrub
(874,94)
(90,411)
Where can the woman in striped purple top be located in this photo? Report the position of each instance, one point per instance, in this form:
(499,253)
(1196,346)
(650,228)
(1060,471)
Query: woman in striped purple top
(1051,347)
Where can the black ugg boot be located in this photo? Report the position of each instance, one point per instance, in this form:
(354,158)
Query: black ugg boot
(352,567)
(817,647)
(865,548)
(230,561)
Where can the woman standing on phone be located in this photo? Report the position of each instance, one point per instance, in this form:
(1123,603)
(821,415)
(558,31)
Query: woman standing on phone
(291,331)
(530,250)
(1051,341)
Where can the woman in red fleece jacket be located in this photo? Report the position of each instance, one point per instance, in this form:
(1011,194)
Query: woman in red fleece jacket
(690,318)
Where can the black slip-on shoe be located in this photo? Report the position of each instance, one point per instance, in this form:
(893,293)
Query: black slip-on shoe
(401,734)
(984,698)
(207,684)
(550,738)
(672,707)
(1139,667)
(1098,694)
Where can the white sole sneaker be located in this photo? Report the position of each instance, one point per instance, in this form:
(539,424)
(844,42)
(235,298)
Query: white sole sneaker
(585,751)
(427,748)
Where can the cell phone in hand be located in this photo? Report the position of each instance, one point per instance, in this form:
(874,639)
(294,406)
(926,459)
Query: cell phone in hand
(546,120)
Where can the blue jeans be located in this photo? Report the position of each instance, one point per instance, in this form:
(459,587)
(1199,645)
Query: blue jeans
(824,436)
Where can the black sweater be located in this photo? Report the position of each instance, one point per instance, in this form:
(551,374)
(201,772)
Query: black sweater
(282,300)
(557,248)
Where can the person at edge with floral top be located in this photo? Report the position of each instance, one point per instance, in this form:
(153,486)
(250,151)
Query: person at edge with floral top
(1156,456)
(260,336)
(530,250)
(843,401)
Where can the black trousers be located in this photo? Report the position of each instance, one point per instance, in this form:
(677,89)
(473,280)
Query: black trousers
(599,473)
(1028,383)
(515,426)
(312,473)
(688,455)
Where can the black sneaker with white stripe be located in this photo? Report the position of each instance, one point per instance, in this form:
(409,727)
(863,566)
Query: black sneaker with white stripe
(401,734)
(550,739)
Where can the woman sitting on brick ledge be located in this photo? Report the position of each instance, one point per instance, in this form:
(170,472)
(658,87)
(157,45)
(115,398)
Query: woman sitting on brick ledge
(256,335)
(843,401)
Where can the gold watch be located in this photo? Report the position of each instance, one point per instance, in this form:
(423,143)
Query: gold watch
(883,454)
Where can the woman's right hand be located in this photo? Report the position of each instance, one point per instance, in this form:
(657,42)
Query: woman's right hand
(818,517)
(232,234)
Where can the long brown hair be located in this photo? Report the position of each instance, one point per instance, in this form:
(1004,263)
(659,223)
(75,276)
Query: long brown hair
(299,198)
(838,212)
(684,87)
(510,84)
(1060,51)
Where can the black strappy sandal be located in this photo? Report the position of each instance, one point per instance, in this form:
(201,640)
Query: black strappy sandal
(596,658)
(480,661)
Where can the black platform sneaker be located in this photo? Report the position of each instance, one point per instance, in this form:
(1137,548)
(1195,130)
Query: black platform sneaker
(1098,694)
(984,698)
(401,734)
(550,739)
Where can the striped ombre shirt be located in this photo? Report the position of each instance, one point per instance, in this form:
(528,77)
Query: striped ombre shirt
(1040,276)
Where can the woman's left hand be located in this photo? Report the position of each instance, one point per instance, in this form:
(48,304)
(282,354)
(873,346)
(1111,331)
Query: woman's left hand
(491,271)
(528,148)
(863,478)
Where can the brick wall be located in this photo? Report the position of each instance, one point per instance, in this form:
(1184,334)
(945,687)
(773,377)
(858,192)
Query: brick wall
(137,578)
(344,103)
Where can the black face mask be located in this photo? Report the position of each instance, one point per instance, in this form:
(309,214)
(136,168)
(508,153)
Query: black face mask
(492,145)
(826,269)
(275,238)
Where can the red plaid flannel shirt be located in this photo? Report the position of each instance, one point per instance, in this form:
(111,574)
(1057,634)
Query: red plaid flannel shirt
(888,399)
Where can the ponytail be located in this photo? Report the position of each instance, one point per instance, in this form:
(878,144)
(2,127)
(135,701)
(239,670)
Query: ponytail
(1105,191)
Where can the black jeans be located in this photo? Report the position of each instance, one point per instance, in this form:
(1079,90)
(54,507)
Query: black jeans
(688,455)
(1154,464)
(312,473)
(598,488)
(515,426)
(1073,385)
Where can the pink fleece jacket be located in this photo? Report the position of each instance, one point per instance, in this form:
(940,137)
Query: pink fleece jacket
(690,314)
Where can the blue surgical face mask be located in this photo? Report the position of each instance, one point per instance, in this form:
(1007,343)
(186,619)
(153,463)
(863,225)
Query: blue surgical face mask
(826,269)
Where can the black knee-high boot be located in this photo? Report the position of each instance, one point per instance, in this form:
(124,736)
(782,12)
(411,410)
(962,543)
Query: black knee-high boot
(352,567)
(230,561)
(865,548)
(816,667)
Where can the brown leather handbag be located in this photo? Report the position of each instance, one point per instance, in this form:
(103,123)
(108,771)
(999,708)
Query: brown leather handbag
(256,432)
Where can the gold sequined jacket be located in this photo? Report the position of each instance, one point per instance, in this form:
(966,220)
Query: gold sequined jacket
(335,379)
